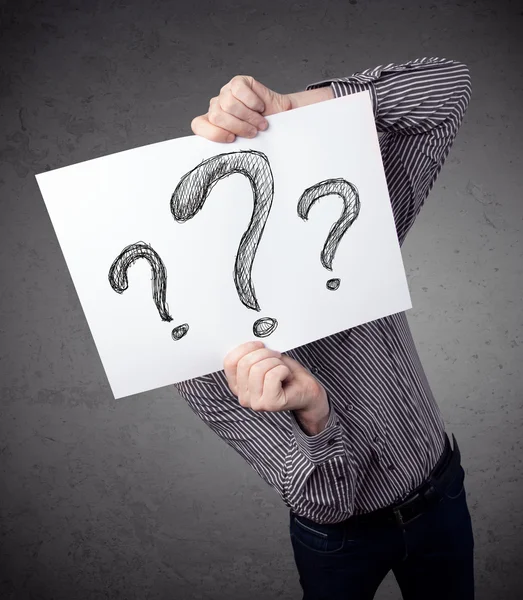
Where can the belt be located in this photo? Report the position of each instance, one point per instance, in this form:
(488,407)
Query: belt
(426,495)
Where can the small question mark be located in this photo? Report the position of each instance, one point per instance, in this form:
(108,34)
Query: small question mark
(119,282)
(351,209)
(193,190)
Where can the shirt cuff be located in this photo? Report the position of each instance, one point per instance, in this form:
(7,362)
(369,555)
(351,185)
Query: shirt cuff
(323,446)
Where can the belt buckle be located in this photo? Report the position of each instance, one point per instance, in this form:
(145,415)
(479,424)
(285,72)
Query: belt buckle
(398,514)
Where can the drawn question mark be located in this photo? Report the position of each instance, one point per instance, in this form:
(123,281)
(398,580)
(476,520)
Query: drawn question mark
(118,279)
(193,190)
(351,209)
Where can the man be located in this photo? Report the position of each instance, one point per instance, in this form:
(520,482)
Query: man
(346,428)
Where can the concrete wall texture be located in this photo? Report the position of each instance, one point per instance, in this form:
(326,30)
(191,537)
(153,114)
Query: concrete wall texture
(137,499)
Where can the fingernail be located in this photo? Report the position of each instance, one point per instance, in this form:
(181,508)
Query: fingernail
(252,132)
(263,126)
(230,138)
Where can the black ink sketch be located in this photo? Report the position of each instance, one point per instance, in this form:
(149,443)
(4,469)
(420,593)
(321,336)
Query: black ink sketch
(179,332)
(351,209)
(193,190)
(119,282)
(333,284)
(264,327)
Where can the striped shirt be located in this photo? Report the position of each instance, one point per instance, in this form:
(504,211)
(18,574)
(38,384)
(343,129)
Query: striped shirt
(385,431)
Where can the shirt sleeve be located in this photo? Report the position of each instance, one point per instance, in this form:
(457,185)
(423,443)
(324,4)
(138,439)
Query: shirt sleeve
(418,107)
(295,464)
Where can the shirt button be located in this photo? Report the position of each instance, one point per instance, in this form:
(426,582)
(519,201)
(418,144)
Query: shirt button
(315,370)
(391,468)
(350,406)
(331,441)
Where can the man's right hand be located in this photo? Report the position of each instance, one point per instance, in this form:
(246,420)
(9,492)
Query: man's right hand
(267,380)
(239,110)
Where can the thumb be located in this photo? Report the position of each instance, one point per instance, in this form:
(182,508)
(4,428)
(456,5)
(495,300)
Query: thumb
(274,102)
(294,366)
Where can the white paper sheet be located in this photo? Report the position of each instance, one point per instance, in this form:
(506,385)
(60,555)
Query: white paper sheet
(100,207)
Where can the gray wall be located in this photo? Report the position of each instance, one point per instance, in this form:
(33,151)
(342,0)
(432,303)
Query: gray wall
(136,499)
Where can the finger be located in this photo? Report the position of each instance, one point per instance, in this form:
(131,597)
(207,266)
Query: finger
(218,117)
(273,397)
(201,126)
(242,88)
(230,362)
(234,106)
(257,374)
(245,363)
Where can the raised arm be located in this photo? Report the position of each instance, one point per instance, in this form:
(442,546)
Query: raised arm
(418,106)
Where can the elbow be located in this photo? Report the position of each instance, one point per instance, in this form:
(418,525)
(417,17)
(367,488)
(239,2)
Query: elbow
(464,84)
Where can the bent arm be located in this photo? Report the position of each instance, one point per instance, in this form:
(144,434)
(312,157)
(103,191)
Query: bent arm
(295,464)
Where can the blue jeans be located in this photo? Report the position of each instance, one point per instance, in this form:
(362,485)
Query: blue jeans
(431,557)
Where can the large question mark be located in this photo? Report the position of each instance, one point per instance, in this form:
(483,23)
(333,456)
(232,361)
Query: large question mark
(193,190)
(119,282)
(351,209)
